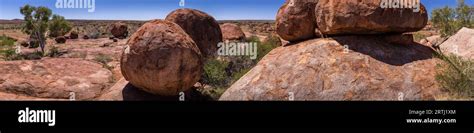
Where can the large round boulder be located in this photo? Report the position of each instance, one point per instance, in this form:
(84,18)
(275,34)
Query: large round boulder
(202,28)
(161,59)
(232,32)
(119,30)
(295,20)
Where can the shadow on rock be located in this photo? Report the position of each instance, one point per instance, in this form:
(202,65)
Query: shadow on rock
(392,54)
(132,93)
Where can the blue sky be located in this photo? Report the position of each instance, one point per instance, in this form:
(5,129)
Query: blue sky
(153,9)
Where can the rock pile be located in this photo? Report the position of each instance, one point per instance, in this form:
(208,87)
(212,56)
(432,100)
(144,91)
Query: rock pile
(360,61)
(165,57)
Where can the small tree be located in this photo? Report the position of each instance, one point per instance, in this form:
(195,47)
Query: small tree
(449,20)
(464,14)
(443,19)
(36,19)
(59,26)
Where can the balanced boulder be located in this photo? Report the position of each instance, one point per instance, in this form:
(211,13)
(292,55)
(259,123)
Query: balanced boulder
(295,20)
(338,17)
(202,28)
(119,30)
(232,32)
(161,59)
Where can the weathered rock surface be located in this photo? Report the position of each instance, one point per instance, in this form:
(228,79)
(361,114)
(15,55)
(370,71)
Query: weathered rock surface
(119,30)
(336,17)
(202,28)
(161,59)
(15,97)
(460,44)
(295,20)
(232,32)
(429,41)
(54,78)
(322,69)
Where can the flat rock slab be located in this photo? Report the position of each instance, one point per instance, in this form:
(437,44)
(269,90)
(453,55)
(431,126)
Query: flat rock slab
(460,44)
(57,78)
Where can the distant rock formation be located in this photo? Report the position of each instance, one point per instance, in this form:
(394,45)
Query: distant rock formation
(202,28)
(119,30)
(232,32)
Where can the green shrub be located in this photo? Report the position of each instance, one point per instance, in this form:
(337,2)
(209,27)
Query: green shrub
(102,58)
(252,39)
(7,48)
(449,20)
(222,74)
(417,36)
(215,72)
(214,93)
(265,47)
(10,54)
(94,35)
(58,26)
(6,41)
(236,76)
(54,52)
(456,75)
